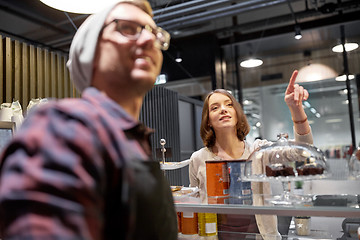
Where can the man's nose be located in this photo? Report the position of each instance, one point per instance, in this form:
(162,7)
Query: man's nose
(146,37)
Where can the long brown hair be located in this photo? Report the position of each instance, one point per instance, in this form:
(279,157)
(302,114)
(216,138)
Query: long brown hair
(207,133)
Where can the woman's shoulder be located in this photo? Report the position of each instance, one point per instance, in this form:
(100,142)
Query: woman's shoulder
(201,153)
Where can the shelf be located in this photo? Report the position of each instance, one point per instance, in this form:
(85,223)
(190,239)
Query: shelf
(271,210)
(174,165)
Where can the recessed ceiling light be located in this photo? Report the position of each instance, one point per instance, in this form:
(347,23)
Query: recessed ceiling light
(250,63)
(348,47)
(78,6)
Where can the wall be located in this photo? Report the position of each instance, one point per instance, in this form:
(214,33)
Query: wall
(28,72)
(189,125)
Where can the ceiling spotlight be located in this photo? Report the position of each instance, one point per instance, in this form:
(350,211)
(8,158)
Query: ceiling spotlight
(252,62)
(178,58)
(348,47)
(297,32)
(343,77)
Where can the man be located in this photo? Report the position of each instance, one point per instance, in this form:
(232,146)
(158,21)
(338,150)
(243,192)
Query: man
(80,168)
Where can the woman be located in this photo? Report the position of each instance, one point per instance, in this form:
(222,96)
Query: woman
(223,130)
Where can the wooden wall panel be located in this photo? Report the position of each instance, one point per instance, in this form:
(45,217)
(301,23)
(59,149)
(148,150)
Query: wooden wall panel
(33,73)
(53,92)
(1,69)
(47,74)
(40,72)
(28,72)
(67,84)
(60,76)
(18,71)
(25,76)
(9,70)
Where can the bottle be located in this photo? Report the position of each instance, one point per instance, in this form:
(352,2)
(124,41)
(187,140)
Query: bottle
(207,224)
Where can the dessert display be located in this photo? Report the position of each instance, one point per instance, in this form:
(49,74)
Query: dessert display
(286,160)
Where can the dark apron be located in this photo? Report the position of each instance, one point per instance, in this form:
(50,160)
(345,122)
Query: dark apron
(144,207)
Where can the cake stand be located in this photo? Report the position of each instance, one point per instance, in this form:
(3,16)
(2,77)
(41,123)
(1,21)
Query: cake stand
(286,161)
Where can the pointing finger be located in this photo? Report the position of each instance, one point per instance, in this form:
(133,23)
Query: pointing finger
(290,87)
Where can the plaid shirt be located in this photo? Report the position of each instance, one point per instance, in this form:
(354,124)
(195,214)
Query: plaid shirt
(77,169)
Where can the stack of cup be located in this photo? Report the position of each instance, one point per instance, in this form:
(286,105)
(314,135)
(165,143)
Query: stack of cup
(217,182)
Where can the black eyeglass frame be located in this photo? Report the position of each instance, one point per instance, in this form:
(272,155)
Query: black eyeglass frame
(162,43)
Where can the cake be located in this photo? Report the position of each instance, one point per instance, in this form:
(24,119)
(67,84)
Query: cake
(279,169)
(309,169)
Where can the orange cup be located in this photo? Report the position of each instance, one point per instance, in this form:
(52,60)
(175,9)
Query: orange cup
(217,181)
(189,223)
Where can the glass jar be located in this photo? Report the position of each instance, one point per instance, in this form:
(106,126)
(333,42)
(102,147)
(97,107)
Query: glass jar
(286,160)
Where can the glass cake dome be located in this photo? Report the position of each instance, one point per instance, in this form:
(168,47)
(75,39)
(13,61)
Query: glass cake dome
(354,164)
(286,160)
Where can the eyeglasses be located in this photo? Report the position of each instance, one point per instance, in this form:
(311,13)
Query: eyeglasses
(132,30)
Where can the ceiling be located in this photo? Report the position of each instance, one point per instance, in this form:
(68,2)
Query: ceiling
(262,26)
(230,21)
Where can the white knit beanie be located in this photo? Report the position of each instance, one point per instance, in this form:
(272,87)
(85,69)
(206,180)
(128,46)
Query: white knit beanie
(83,46)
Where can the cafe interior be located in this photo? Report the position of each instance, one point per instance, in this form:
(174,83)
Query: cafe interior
(248,47)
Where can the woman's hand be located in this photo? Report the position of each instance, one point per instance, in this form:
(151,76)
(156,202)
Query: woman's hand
(295,94)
